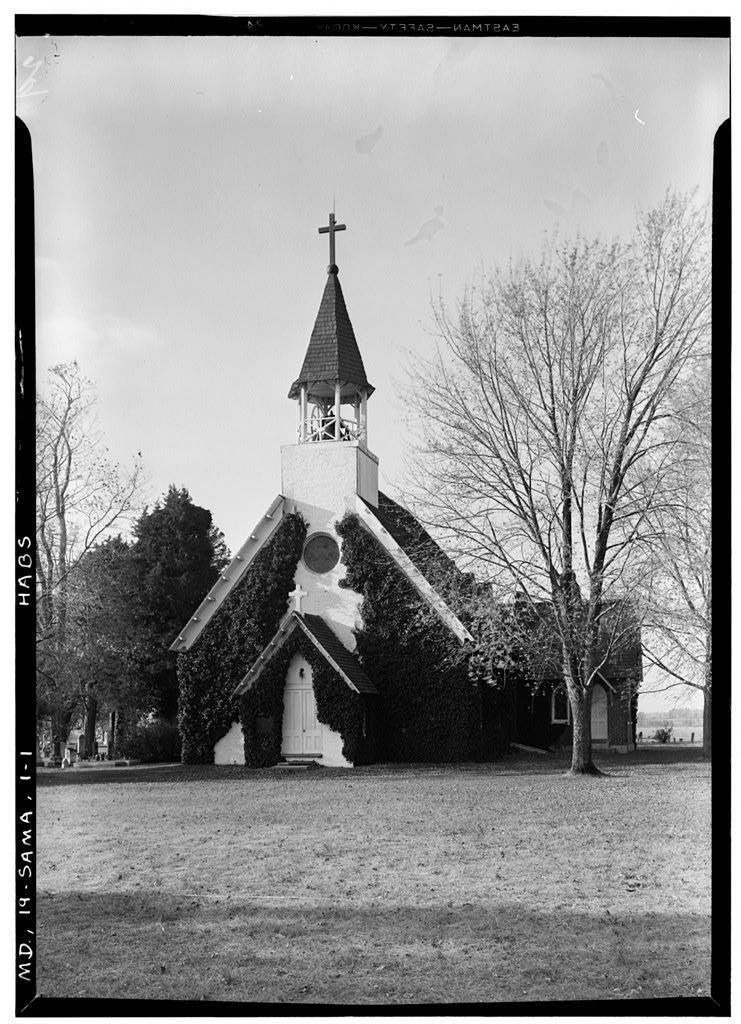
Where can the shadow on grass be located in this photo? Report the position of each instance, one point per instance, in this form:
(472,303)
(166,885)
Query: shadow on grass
(156,945)
(555,763)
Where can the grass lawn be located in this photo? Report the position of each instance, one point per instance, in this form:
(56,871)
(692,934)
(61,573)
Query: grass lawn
(388,884)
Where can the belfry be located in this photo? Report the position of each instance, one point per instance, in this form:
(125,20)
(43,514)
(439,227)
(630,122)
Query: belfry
(331,394)
(332,375)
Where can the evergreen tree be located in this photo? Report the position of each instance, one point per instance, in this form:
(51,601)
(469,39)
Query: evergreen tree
(177,555)
(105,644)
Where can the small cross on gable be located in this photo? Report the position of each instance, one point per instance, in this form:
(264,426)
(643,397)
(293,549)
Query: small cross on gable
(297,594)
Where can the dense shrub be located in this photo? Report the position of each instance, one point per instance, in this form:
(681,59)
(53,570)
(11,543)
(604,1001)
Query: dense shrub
(153,741)
(231,642)
(663,735)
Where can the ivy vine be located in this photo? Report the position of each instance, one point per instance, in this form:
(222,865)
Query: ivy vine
(433,704)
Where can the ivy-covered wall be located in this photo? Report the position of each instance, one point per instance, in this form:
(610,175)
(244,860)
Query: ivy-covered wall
(231,642)
(433,705)
(339,707)
(351,714)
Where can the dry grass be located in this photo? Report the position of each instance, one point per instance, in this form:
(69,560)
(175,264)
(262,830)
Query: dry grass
(379,885)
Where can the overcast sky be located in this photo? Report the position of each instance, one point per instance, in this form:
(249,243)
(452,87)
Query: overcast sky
(180,183)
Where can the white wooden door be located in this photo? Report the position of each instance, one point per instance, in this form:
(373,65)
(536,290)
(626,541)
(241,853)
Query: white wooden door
(302,732)
(292,722)
(312,728)
(599,713)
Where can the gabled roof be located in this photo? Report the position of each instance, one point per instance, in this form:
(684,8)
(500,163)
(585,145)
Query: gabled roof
(383,529)
(333,352)
(410,535)
(230,576)
(619,642)
(326,642)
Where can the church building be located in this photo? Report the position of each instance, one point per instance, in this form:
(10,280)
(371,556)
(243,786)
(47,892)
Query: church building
(330,637)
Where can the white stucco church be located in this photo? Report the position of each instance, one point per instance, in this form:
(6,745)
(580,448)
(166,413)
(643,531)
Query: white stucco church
(328,472)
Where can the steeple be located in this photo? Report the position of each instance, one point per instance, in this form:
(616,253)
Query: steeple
(332,374)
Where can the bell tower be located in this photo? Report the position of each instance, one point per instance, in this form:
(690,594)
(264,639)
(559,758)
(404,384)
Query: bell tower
(332,375)
(331,394)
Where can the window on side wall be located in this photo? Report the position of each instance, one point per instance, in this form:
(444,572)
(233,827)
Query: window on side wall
(560,707)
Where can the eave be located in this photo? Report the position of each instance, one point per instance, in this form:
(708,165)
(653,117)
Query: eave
(369,520)
(231,576)
(357,681)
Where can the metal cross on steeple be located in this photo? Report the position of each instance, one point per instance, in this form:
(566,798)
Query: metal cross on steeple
(332,228)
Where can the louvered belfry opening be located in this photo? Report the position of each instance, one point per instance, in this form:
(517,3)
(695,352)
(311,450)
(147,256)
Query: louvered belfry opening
(332,390)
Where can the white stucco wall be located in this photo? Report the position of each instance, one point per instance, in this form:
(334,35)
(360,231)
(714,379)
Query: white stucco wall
(332,756)
(230,748)
(327,473)
(338,606)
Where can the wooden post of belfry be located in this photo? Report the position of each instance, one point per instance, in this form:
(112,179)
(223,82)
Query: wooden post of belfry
(337,402)
(302,433)
(364,411)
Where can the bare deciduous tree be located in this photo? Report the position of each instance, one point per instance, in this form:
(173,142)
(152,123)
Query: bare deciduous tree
(678,622)
(81,496)
(541,452)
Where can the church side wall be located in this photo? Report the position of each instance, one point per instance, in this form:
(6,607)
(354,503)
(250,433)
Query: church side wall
(619,719)
(429,708)
(535,728)
(368,477)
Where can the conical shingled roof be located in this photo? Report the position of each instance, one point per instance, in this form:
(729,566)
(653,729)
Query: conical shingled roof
(333,352)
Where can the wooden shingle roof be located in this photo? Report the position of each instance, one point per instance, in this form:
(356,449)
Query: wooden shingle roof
(333,352)
(401,537)
(619,639)
(326,642)
(410,535)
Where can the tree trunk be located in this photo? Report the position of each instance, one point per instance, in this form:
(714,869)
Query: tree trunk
(707,723)
(91,712)
(60,723)
(120,726)
(112,735)
(581,713)
(707,710)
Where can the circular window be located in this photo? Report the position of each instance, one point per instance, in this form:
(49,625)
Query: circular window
(321,553)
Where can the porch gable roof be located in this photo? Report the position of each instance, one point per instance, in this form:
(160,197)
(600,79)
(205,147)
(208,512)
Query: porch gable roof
(323,637)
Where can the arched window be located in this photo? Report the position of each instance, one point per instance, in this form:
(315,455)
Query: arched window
(599,712)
